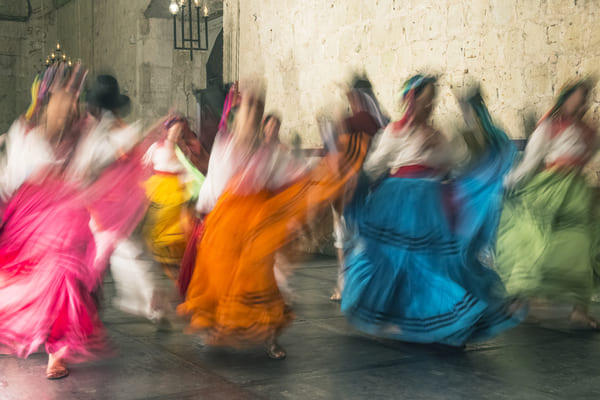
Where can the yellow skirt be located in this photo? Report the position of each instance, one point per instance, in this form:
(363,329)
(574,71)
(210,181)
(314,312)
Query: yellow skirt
(166,225)
(233,297)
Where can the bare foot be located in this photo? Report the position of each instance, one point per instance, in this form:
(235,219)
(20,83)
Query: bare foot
(336,296)
(581,319)
(57,368)
(275,351)
(171,271)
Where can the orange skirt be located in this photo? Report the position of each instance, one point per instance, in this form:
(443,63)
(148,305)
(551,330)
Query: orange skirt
(233,297)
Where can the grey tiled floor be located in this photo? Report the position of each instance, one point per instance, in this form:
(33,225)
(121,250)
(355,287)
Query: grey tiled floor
(327,359)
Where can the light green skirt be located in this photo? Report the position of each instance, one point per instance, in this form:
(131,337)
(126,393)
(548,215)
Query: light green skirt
(548,240)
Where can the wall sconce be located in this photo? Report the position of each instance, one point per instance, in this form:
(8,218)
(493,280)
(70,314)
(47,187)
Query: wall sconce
(189,26)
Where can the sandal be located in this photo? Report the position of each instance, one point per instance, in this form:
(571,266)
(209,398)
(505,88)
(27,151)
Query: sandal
(57,370)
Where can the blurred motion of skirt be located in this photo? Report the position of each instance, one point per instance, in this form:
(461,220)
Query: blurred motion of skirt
(413,272)
(548,238)
(233,298)
(166,226)
(410,278)
(48,273)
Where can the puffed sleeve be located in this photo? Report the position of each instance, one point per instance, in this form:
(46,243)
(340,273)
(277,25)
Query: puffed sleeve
(380,155)
(25,155)
(535,152)
(219,172)
(103,145)
(284,168)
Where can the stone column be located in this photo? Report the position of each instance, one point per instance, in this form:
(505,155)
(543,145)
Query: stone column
(231,40)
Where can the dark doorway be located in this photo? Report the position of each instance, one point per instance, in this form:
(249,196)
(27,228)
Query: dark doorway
(210,100)
(214,66)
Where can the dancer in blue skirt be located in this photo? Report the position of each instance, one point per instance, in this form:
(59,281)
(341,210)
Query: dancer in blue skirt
(413,271)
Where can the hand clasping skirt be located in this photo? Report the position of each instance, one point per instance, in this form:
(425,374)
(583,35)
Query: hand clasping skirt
(413,271)
(233,296)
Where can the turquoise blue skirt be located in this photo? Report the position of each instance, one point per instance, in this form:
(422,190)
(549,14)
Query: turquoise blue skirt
(409,277)
(413,271)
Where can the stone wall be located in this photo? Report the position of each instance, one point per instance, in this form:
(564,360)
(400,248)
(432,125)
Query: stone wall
(521,50)
(108,36)
(21,48)
(11,40)
(12,35)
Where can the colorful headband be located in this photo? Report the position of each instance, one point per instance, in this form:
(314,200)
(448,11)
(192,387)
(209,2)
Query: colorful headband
(34,98)
(410,91)
(58,76)
(483,119)
(231,100)
(415,84)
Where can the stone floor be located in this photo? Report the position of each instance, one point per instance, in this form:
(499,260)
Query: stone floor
(327,360)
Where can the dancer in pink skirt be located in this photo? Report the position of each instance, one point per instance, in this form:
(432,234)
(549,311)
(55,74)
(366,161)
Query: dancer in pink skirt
(48,258)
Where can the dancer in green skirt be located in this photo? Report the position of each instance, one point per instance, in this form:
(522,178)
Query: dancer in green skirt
(547,241)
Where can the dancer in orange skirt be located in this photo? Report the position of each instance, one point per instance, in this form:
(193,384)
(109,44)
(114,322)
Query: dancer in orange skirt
(233,298)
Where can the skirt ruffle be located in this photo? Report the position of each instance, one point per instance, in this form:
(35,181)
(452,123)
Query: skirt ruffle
(548,239)
(166,227)
(409,277)
(188,263)
(233,297)
(51,263)
(47,274)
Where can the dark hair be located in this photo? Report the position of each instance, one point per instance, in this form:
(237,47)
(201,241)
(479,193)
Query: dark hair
(361,83)
(174,120)
(566,92)
(419,89)
(271,116)
(232,115)
(417,84)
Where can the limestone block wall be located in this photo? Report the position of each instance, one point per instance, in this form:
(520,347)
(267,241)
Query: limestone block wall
(23,48)
(11,40)
(108,36)
(521,50)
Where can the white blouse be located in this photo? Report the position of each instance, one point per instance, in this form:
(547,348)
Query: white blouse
(103,145)
(268,167)
(164,159)
(543,149)
(221,167)
(410,145)
(27,153)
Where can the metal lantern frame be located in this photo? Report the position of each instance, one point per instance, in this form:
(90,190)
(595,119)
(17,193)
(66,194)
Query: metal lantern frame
(190,38)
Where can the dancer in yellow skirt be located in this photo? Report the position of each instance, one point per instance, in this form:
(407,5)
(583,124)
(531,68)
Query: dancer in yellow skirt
(233,298)
(170,189)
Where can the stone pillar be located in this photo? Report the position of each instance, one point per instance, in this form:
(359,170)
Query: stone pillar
(231,40)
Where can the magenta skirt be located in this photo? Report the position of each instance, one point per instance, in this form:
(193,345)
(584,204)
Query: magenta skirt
(47,274)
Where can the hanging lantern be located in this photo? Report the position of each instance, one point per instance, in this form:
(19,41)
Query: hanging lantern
(187,34)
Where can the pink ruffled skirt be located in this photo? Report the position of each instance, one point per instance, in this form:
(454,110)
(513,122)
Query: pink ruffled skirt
(47,274)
